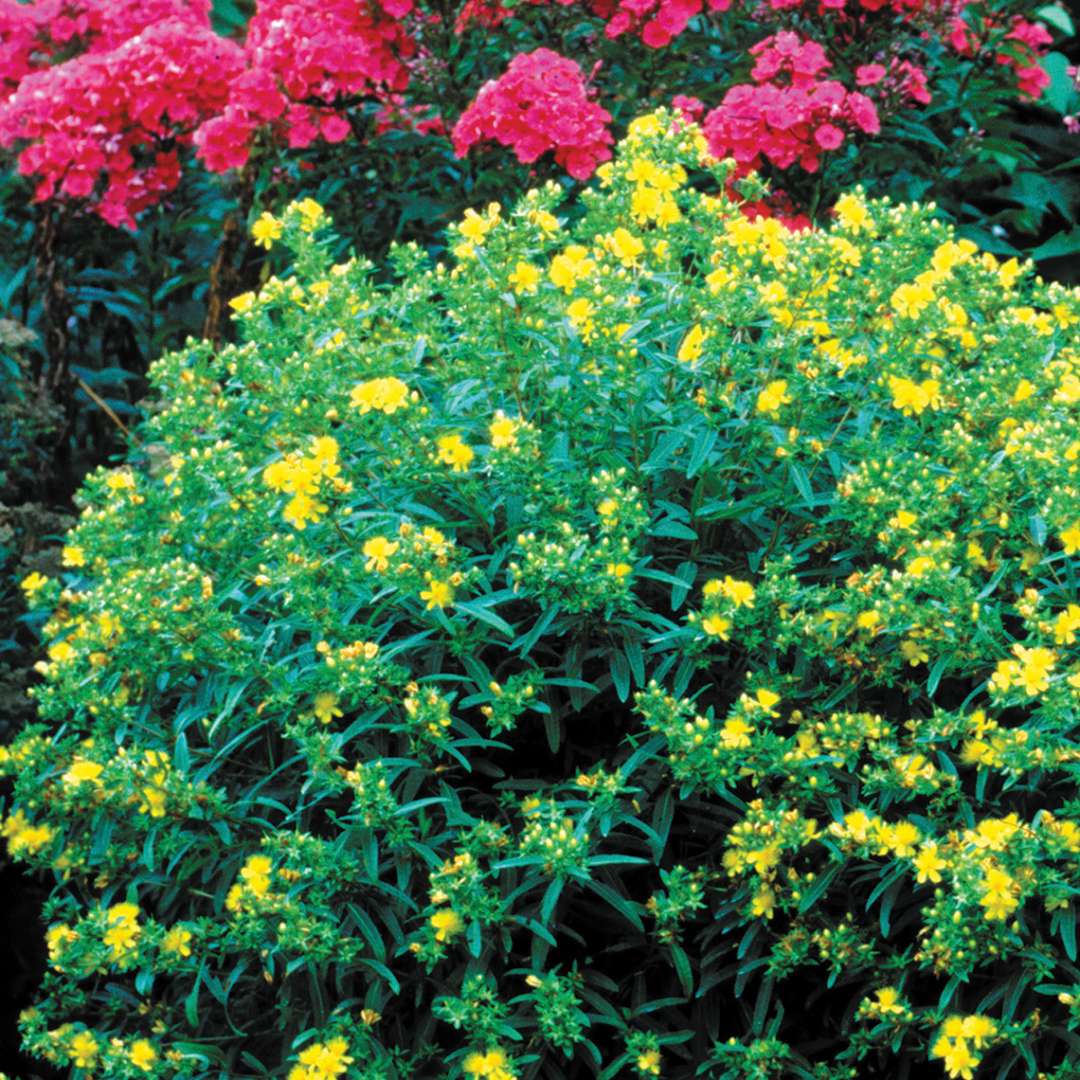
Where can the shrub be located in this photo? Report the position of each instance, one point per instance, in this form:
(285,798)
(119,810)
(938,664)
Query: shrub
(642,647)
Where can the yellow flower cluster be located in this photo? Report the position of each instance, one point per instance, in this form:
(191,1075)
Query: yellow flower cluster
(959,1042)
(301,476)
(322,1061)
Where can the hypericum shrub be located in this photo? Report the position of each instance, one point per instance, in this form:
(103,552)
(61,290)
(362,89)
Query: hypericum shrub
(646,647)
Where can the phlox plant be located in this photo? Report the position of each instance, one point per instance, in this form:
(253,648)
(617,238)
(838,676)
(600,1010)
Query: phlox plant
(642,645)
(786,83)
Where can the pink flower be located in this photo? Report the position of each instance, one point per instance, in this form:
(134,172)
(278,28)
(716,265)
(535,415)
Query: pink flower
(829,137)
(869,74)
(539,103)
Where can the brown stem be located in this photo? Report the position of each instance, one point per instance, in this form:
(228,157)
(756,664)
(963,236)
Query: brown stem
(53,376)
(224,273)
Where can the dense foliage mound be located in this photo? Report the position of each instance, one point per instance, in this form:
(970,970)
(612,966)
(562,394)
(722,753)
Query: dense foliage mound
(641,648)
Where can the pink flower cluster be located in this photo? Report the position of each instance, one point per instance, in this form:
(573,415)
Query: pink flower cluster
(539,103)
(146,77)
(32,34)
(1026,41)
(493,13)
(788,114)
(105,126)
(656,21)
(303,58)
(901,80)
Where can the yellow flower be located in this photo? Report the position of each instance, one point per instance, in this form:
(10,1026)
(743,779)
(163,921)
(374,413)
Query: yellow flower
(959,1061)
(1008,272)
(913,652)
(912,298)
(57,938)
(82,771)
(570,267)
(852,213)
(902,839)
(736,733)
(73,555)
(764,902)
(454,452)
(302,509)
(767,699)
(33,583)
(546,222)
(619,569)
(525,278)
(1070,539)
(255,874)
(447,923)
(625,246)
(311,214)
(998,898)
(84,1050)
(921,565)
(649,1062)
(773,397)
(979,1029)
(1023,391)
(1035,667)
(740,593)
(914,398)
(888,1000)
(378,551)
(1066,625)
(385,395)
(475,227)
(326,1061)
(716,626)
(266,230)
(178,941)
(690,349)
(580,313)
(243,303)
(503,431)
(929,864)
(438,594)
(326,706)
(142,1052)
(123,929)
(61,652)
(494,1065)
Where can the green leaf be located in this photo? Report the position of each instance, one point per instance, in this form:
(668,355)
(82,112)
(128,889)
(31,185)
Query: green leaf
(626,908)
(1058,17)
(1059,245)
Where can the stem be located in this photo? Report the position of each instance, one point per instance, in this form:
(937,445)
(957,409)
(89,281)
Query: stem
(224,274)
(53,376)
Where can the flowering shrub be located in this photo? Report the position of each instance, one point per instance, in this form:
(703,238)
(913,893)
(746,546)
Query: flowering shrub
(646,647)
